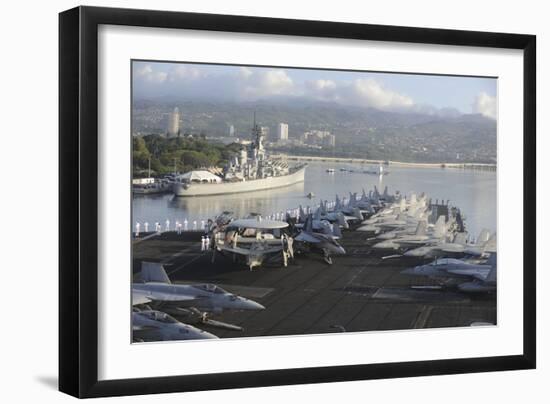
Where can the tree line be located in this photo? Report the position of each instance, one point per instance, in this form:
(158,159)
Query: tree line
(181,153)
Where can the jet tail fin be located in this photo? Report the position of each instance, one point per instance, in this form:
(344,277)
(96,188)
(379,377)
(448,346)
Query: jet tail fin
(317,215)
(153,272)
(308,226)
(460,238)
(491,244)
(421,228)
(301,213)
(483,237)
(439,228)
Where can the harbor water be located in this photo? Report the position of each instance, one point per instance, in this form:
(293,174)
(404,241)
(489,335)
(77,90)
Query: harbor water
(473,191)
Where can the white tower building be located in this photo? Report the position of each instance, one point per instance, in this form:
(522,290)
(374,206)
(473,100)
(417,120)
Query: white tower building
(174,123)
(282,131)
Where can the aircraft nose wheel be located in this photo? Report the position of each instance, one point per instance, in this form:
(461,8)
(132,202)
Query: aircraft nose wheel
(327,257)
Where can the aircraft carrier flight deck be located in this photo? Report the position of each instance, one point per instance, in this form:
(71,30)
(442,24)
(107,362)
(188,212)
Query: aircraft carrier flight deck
(360,291)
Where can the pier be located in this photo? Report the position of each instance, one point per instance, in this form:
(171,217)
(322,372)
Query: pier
(351,160)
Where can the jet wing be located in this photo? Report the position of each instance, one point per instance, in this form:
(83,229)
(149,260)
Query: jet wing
(247,252)
(236,250)
(451,248)
(139,298)
(143,327)
(479,273)
(308,238)
(169,297)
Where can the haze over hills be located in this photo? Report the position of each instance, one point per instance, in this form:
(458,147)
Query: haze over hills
(425,135)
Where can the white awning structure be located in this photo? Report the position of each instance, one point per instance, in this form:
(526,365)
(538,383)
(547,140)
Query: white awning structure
(258,224)
(201,176)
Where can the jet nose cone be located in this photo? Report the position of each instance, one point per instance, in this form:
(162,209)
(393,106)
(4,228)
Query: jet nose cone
(205,335)
(257,306)
(247,304)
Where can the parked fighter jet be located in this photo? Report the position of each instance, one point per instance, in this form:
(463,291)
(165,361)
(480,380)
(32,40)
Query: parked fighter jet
(421,237)
(458,247)
(324,242)
(323,227)
(335,216)
(350,212)
(482,277)
(364,204)
(155,325)
(482,283)
(255,239)
(158,291)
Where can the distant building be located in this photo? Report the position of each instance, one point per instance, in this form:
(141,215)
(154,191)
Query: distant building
(282,132)
(265,131)
(318,138)
(329,140)
(231,132)
(174,123)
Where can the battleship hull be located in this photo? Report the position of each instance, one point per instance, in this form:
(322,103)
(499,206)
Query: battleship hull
(261,184)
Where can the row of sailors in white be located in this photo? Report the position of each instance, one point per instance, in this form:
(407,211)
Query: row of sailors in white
(178,227)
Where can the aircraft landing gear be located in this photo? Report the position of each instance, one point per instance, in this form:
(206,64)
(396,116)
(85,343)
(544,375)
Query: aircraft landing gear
(327,257)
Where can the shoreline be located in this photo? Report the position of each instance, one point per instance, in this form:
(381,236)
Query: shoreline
(352,160)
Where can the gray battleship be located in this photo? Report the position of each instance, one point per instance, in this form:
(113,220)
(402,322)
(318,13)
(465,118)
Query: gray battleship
(250,171)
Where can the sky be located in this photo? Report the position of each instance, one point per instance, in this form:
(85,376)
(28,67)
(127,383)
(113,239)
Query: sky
(395,92)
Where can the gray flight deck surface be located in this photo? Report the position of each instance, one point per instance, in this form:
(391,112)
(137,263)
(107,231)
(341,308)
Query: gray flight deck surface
(359,292)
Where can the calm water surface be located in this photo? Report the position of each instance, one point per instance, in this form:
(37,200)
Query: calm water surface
(473,191)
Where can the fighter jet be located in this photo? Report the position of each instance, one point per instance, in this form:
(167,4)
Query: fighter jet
(153,325)
(482,277)
(420,238)
(351,213)
(458,247)
(323,227)
(364,204)
(255,239)
(335,217)
(324,242)
(397,216)
(158,291)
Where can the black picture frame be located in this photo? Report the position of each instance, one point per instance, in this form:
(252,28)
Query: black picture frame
(78,200)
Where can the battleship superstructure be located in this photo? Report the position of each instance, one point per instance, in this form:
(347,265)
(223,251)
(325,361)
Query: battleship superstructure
(250,170)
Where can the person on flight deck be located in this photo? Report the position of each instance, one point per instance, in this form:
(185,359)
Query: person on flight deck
(137,229)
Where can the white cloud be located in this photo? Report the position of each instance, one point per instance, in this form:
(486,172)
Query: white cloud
(264,83)
(485,105)
(245,72)
(251,84)
(361,92)
(147,73)
(181,72)
(371,93)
